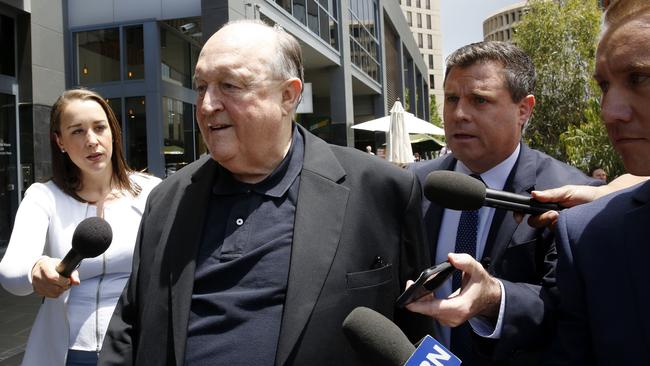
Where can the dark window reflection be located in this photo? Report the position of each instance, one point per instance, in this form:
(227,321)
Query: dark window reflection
(98,56)
(134,53)
(135,128)
(176,58)
(8,54)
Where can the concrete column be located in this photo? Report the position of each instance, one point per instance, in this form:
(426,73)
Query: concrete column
(153,98)
(341,94)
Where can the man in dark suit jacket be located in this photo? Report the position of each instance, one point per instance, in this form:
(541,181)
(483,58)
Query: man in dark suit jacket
(318,229)
(603,246)
(510,276)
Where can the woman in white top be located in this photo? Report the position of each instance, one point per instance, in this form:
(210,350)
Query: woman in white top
(90,178)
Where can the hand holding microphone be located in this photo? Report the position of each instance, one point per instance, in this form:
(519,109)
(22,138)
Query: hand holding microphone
(50,278)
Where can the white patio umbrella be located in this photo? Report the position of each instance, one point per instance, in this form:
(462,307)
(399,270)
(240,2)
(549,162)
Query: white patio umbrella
(398,142)
(413,125)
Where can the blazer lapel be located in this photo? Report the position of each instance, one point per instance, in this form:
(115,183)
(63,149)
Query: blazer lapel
(185,237)
(433,213)
(319,218)
(636,233)
(521,180)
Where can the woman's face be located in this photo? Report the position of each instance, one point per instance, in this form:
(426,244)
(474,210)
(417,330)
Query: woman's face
(86,137)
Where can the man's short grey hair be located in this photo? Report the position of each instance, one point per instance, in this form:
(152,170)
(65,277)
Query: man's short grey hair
(518,68)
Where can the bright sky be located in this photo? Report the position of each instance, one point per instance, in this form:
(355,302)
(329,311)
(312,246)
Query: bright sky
(462,21)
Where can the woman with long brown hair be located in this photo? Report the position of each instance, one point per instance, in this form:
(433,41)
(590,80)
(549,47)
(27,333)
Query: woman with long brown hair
(90,178)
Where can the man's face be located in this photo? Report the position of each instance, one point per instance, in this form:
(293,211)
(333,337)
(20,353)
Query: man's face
(599,174)
(623,74)
(482,123)
(243,111)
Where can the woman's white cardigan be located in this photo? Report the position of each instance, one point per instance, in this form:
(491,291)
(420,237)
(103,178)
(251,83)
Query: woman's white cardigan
(44,224)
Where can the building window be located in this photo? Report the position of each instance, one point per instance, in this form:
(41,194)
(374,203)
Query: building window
(320,17)
(364,42)
(98,55)
(429,41)
(432,82)
(408,2)
(179,135)
(419,20)
(431,62)
(8,54)
(116,106)
(285,4)
(135,129)
(409,18)
(420,40)
(428,4)
(134,53)
(428,21)
(418,4)
(178,58)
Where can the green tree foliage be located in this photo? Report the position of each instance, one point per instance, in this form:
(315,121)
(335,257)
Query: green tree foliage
(588,147)
(434,117)
(561,36)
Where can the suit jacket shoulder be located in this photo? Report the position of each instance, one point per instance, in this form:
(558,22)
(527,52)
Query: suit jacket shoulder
(602,277)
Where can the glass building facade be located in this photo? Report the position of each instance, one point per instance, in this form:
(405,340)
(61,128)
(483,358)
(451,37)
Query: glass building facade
(141,59)
(112,62)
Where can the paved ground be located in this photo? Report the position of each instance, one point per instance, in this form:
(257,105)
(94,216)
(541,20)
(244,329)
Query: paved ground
(17,314)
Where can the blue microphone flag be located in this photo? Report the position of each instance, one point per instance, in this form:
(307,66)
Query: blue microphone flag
(431,353)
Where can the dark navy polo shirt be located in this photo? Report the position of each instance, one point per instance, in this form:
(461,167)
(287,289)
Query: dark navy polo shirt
(242,267)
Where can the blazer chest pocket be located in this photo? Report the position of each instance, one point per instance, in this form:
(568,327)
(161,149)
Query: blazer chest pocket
(373,277)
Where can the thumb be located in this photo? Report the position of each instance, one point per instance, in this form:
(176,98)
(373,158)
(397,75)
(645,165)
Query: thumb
(461,261)
(409,283)
(74,278)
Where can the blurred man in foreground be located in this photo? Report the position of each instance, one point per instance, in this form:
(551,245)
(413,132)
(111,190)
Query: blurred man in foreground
(603,246)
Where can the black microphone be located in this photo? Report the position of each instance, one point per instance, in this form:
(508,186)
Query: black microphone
(461,192)
(91,238)
(376,338)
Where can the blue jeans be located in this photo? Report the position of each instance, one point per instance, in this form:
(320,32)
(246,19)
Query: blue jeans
(81,358)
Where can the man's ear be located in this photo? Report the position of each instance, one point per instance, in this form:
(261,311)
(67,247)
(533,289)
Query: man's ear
(291,93)
(526,106)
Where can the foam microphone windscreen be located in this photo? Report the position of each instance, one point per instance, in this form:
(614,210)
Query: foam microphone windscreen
(92,237)
(376,339)
(454,190)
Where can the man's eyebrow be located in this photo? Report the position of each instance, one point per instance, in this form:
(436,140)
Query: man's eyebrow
(637,65)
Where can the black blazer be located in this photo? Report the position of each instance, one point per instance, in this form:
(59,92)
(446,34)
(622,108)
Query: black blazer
(604,281)
(523,258)
(352,207)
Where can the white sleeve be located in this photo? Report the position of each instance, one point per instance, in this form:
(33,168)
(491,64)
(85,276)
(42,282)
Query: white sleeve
(27,240)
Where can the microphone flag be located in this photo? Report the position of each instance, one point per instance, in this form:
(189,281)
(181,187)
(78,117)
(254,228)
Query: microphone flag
(430,352)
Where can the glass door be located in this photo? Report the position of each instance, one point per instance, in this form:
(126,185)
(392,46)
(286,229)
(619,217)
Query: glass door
(8,162)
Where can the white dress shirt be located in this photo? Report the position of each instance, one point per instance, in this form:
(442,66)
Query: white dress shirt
(494,178)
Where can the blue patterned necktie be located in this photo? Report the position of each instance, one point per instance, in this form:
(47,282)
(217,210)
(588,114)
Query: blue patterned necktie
(461,340)
(466,238)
